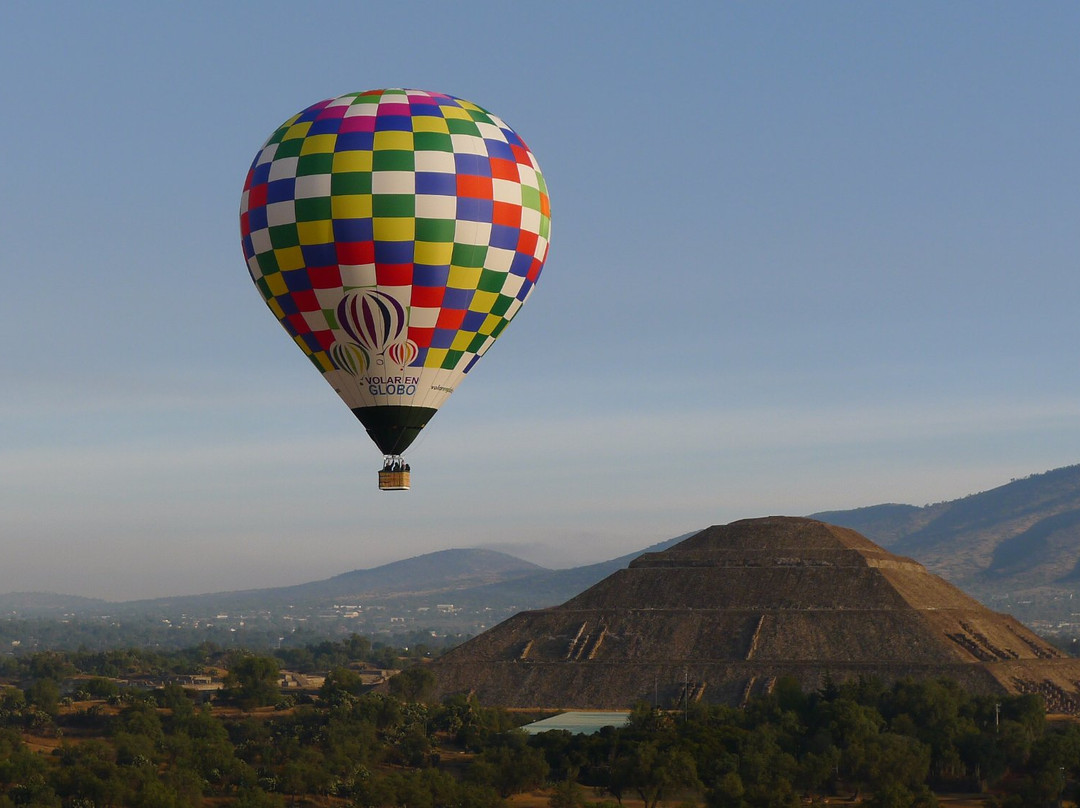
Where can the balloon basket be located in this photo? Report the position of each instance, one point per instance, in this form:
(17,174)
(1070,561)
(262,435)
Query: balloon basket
(393,481)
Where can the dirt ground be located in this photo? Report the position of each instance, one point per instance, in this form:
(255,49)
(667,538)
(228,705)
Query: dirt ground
(539,799)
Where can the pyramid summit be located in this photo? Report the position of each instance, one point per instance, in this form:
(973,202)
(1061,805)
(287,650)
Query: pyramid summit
(723,614)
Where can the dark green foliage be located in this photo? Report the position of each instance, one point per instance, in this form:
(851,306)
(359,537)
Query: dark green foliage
(415,684)
(509,764)
(253,681)
(889,744)
(44,694)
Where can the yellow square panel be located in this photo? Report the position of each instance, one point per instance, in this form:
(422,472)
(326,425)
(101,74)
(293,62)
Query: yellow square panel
(275,306)
(324,361)
(464,277)
(321,232)
(433,253)
(351,161)
(393,141)
(489,324)
(456,112)
(289,258)
(461,342)
(350,206)
(297,130)
(435,357)
(430,123)
(400,228)
(483,301)
(276,284)
(319,144)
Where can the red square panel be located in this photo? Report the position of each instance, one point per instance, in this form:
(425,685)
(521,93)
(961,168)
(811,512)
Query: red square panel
(257,197)
(298,323)
(527,243)
(450,319)
(421,336)
(474,187)
(504,169)
(305,300)
(507,213)
(393,274)
(356,252)
(324,277)
(427,297)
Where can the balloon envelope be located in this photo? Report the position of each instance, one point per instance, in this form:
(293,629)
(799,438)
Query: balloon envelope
(394,234)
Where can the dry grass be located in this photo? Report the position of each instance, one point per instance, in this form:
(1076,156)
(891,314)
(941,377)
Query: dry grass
(539,799)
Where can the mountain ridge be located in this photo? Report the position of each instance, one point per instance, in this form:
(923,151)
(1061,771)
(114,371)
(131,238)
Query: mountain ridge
(477,572)
(1016,545)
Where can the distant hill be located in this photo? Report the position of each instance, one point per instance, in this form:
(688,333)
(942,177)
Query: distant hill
(467,578)
(424,576)
(49,604)
(552,587)
(1016,547)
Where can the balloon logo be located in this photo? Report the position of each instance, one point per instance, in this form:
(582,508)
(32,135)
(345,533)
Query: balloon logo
(394,234)
(402,354)
(349,357)
(374,319)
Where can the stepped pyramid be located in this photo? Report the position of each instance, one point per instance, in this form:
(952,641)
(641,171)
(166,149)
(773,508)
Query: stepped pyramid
(720,616)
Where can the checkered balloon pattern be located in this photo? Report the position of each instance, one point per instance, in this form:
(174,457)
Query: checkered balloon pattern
(394,231)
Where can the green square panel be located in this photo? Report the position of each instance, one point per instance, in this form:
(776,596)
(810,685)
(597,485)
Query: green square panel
(432,141)
(309,164)
(457,126)
(469,255)
(393,205)
(530,197)
(268,265)
(491,281)
(350,182)
(439,231)
(289,148)
(315,209)
(392,160)
(284,235)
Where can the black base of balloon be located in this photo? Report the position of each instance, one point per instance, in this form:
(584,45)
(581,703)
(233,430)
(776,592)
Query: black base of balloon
(393,428)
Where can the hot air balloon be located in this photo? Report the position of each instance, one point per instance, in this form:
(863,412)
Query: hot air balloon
(394,234)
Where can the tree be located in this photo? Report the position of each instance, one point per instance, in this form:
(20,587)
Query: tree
(567,793)
(341,686)
(45,695)
(889,762)
(728,793)
(101,688)
(253,681)
(511,766)
(659,770)
(415,684)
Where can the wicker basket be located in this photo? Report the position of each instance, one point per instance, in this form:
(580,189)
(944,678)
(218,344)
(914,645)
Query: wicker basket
(393,481)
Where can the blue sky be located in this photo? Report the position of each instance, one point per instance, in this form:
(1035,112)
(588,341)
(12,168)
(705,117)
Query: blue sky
(805,256)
